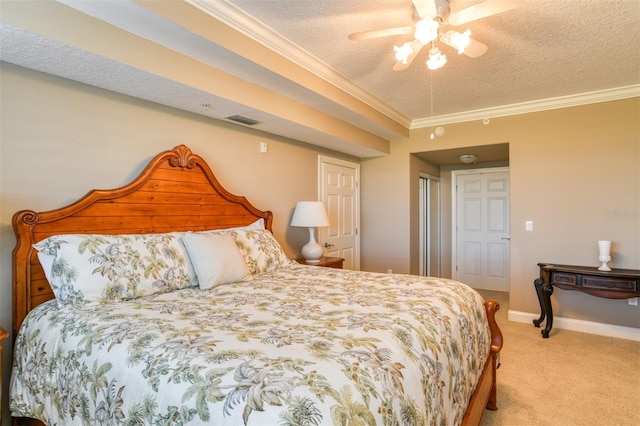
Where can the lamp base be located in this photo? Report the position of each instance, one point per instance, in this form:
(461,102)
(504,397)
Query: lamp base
(312,251)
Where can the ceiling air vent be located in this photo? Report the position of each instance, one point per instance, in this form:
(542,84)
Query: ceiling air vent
(243,120)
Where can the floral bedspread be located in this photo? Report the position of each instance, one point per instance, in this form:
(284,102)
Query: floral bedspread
(298,346)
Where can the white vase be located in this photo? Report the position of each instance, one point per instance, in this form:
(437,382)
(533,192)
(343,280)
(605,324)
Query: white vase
(604,249)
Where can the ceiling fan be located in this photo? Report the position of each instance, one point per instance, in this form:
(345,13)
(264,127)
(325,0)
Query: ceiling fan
(434,20)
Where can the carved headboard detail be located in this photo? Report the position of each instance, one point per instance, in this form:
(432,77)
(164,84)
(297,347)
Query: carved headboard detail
(175,192)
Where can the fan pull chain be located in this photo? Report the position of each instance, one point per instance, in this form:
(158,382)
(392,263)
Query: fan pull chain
(432,136)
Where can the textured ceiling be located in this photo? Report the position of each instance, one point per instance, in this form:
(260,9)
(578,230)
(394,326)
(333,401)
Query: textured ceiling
(540,50)
(543,54)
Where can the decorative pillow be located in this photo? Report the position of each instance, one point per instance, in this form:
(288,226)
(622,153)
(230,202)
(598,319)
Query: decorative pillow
(215,258)
(106,268)
(261,251)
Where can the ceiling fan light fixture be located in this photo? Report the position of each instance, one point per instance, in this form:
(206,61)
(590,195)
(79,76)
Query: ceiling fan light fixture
(403,52)
(426,30)
(459,41)
(436,59)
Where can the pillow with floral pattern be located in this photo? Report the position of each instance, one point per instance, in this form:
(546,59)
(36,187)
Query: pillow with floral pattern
(107,268)
(261,251)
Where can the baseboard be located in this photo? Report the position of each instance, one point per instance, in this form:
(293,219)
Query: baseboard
(602,329)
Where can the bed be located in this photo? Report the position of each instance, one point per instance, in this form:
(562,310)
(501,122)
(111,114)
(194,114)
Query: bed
(169,301)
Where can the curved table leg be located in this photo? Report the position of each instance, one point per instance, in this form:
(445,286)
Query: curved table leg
(538,283)
(547,291)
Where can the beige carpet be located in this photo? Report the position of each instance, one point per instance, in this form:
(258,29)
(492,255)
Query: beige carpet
(571,378)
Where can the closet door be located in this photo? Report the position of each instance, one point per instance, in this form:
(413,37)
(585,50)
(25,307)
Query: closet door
(482,229)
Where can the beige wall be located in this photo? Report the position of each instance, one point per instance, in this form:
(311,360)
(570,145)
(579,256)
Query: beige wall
(60,139)
(384,205)
(574,172)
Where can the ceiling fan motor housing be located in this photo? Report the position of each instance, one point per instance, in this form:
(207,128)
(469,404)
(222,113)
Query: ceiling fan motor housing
(442,9)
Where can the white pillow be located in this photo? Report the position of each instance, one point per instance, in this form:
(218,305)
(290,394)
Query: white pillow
(258,224)
(107,268)
(215,258)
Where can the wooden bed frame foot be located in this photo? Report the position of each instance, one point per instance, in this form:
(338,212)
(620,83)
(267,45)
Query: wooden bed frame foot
(485,395)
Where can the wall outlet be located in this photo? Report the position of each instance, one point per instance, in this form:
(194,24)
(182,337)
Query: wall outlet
(633,301)
(389,271)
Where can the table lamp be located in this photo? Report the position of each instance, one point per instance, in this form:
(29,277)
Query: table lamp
(311,214)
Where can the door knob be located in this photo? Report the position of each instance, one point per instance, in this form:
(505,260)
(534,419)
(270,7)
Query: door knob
(327,245)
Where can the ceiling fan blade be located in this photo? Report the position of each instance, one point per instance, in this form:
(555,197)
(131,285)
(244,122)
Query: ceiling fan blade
(384,32)
(399,66)
(482,10)
(432,9)
(475,49)
(458,5)
(425,8)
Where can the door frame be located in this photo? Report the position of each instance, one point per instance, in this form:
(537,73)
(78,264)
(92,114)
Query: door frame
(454,210)
(344,163)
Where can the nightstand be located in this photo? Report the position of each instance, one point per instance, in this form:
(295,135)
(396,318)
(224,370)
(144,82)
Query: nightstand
(3,335)
(326,261)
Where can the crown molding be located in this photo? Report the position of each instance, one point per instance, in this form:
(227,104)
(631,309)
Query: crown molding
(532,106)
(247,25)
(256,30)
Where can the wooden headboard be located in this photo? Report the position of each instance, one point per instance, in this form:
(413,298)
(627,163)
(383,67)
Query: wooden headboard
(176,192)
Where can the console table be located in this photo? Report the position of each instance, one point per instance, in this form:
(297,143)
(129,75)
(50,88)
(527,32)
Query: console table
(614,284)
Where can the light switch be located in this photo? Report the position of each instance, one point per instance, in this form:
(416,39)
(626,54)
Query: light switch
(263,147)
(528,225)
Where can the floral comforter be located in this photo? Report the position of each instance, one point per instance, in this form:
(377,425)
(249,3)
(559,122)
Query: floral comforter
(298,346)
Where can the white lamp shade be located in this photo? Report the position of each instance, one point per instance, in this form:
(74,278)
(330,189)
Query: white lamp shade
(310,214)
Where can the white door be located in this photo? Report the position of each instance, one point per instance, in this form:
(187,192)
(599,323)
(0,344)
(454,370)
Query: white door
(338,189)
(482,229)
